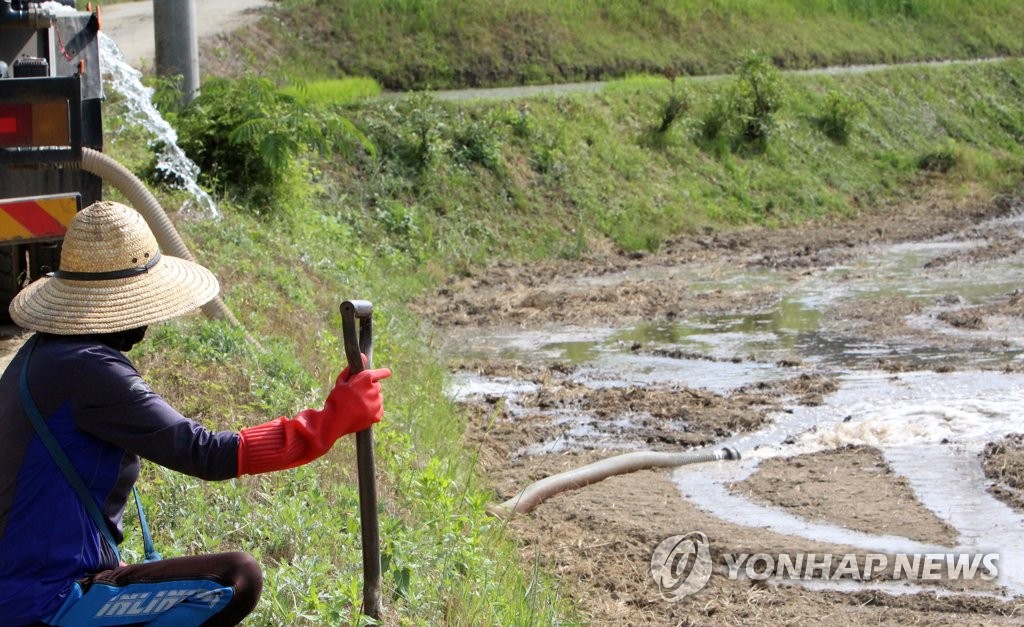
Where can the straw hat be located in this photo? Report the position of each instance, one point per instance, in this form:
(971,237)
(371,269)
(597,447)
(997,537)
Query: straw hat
(112,277)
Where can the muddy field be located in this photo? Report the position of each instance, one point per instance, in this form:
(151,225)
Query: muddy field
(598,540)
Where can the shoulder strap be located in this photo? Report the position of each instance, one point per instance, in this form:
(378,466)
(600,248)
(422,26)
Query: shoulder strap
(58,455)
(151,554)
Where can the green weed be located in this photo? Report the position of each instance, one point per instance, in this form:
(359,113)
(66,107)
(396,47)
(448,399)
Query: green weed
(673,109)
(716,119)
(941,159)
(335,91)
(757,96)
(840,116)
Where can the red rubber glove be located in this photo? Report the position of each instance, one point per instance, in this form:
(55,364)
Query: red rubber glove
(353,405)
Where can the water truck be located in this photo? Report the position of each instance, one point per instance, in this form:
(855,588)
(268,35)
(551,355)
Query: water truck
(50,96)
(51,143)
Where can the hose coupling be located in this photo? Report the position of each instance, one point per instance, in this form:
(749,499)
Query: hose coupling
(729,452)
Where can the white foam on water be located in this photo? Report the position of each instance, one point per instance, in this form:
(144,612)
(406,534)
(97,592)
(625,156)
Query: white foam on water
(930,427)
(465,386)
(882,410)
(933,422)
(171,160)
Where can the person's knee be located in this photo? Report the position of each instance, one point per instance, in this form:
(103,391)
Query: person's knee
(247,577)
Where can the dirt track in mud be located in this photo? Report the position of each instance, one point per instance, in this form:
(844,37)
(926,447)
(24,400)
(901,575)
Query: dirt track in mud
(599,540)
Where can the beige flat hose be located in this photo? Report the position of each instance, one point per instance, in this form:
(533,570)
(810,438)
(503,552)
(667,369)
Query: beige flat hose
(103,166)
(536,493)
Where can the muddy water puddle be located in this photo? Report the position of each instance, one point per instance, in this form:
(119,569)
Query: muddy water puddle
(917,337)
(800,324)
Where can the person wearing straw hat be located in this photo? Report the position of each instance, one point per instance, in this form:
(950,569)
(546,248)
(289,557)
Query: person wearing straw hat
(77,417)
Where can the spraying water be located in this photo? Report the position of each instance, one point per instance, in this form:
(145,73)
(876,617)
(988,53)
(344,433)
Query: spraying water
(171,159)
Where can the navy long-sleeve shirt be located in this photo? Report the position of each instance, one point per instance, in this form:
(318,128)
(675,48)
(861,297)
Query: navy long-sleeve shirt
(104,416)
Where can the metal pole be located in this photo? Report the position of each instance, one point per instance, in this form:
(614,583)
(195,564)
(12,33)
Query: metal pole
(356,343)
(177,45)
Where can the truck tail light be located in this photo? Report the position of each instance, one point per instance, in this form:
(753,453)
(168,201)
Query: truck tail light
(35,125)
(41,120)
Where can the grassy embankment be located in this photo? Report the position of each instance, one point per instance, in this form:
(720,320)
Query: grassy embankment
(451,188)
(416,44)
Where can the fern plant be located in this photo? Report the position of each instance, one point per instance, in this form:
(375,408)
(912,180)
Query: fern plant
(249,139)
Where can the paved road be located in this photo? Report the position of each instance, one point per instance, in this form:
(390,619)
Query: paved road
(130,25)
(506,93)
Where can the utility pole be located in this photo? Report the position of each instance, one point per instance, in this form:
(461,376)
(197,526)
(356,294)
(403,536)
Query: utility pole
(177,46)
